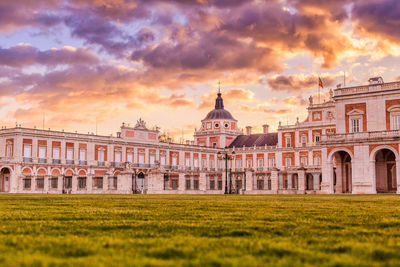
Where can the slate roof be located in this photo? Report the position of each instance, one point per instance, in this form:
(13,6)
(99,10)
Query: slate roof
(219,112)
(270,139)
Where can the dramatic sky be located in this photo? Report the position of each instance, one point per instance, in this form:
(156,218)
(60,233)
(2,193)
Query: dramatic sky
(77,60)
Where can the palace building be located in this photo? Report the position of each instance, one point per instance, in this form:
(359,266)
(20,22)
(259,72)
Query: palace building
(348,144)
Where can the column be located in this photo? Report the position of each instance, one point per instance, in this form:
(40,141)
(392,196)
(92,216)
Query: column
(181,182)
(248,184)
(339,178)
(280,181)
(289,181)
(89,183)
(373,175)
(274,180)
(74,184)
(316,181)
(203,182)
(46,183)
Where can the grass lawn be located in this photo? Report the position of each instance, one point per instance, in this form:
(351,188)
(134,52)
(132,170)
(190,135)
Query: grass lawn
(71,230)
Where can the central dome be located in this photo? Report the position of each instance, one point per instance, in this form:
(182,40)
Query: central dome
(219,112)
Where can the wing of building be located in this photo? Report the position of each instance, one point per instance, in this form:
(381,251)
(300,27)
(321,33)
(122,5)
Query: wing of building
(348,144)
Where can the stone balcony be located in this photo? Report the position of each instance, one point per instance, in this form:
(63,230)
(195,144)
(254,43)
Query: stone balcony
(363,136)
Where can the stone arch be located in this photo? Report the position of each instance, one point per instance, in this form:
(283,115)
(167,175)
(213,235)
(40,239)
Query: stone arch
(82,173)
(27,171)
(330,156)
(385,169)
(41,171)
(341,162)
(69,172)
(373,152)
(55,172)
(5,178)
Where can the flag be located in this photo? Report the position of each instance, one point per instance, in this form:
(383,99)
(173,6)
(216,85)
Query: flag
(320,84)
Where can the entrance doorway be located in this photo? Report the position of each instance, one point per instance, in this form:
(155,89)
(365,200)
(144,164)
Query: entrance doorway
(385,171)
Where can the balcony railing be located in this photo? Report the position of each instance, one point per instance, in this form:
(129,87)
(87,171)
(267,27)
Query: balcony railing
(70,161)
(196,169)
(260,168)
(116,164)
(40,160)
(83,162)
(56,161)
(101,163)
(27,160)
(174,167)
(348,137)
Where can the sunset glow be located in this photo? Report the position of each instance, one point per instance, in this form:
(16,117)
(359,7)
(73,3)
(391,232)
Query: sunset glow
(67,64)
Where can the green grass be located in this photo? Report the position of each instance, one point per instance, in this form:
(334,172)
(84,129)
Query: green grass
(150,230)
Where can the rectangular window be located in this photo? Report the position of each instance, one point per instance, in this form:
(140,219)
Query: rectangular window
(174,161)
(271,162)
(129,157)
(141,158)
(288,141)
(118,155)
(40,182)
(288,162)
(395,122)
(196,163)
(249,163)
(81,182)
(27,183)
(317,161)
(70,153)
(152,159)
(162,160)
(9,151)
(303,161)
(214,145)
(260,163)
(187,162)
(196,184)
(54,183)
(212,163)
(238,163)
(212,184)
(82,154)
(98,182)
(56,153)
(187,184)
(204,163)
(303,140)
(317,138)
(220,184)
(355,125)
(100,155)
(42,152)
(174,184)
(27,151)
(219,162)
(269,184)
(260,184)
(68,182)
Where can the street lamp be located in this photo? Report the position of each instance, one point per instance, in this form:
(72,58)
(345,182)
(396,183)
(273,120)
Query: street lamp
(226,157)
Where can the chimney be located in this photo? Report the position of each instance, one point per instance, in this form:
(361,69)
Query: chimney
(248,130)
(265,128)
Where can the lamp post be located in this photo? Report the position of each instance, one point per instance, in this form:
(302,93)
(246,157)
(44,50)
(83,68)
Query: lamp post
(226,157)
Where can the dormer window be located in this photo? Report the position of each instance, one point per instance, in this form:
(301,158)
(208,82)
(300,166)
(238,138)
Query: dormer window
(355,120)
(394,117)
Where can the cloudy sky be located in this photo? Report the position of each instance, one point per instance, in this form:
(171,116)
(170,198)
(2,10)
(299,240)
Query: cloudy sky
(78,60)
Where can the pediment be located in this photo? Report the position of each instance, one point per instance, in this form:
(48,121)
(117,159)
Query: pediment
(355,112)
(395,108)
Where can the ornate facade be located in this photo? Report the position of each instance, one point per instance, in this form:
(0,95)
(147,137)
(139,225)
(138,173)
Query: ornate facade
(348,144)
